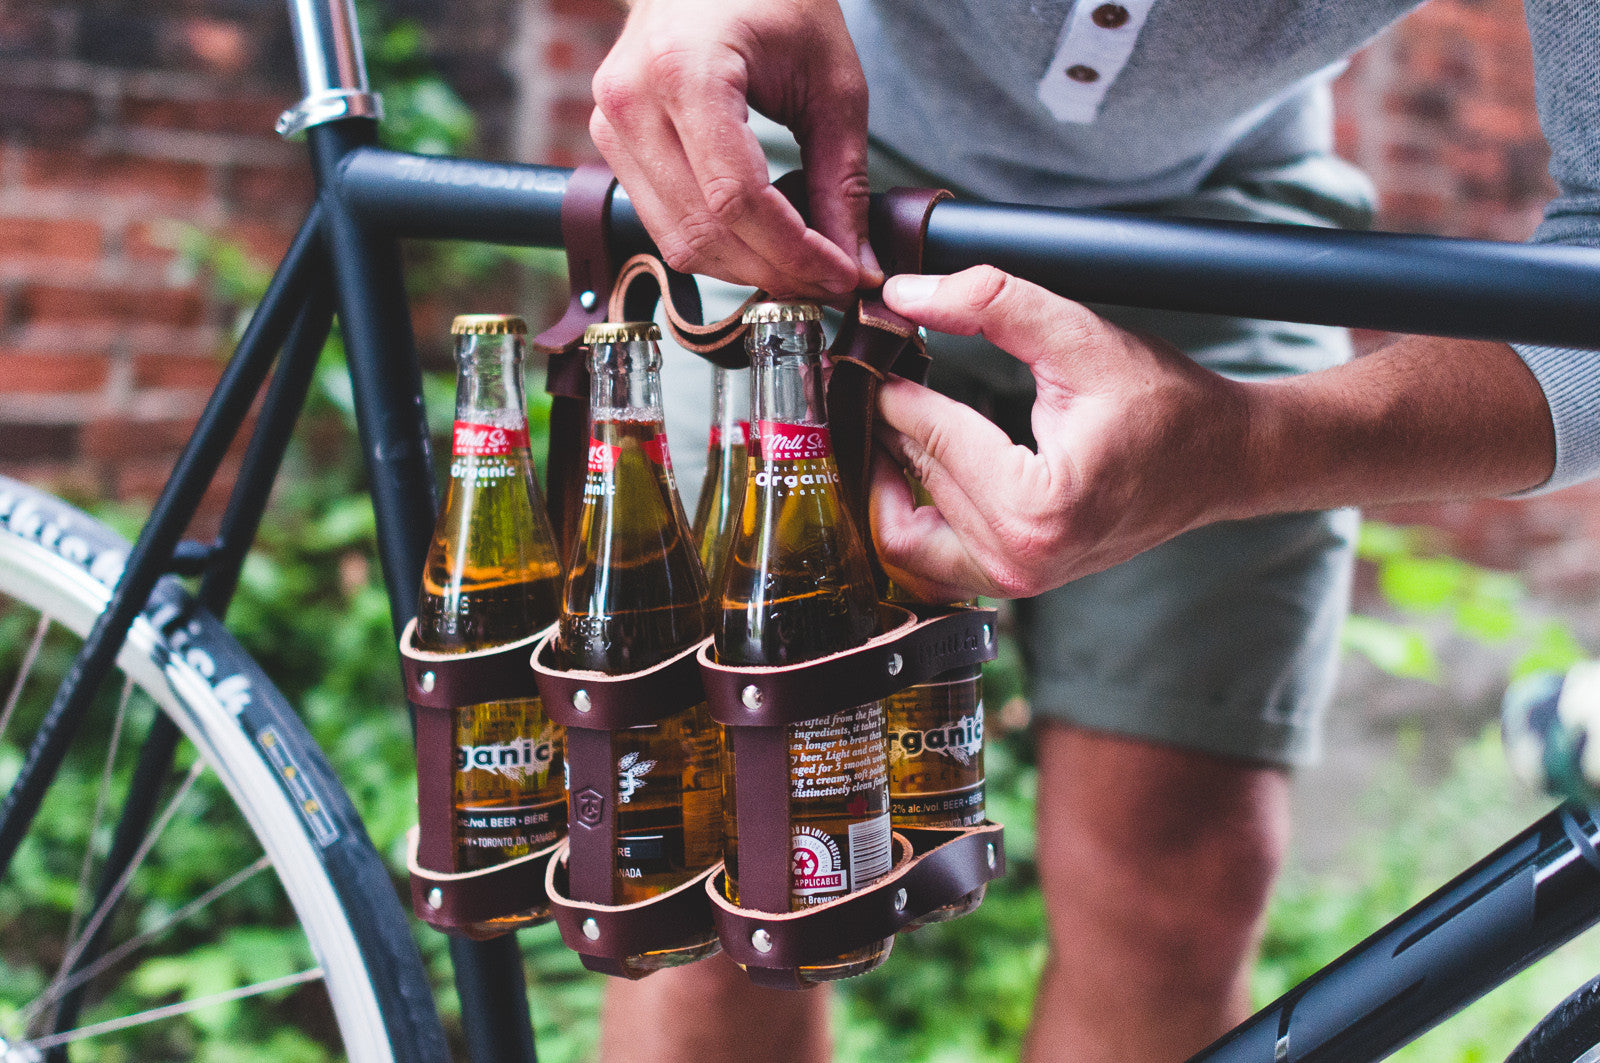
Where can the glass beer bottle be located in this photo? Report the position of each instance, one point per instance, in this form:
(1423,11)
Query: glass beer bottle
(723,488)
(936,757)
(492,577)
(797,587)
(635,596)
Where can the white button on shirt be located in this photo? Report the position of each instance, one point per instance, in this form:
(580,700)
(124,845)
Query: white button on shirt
(1089,48)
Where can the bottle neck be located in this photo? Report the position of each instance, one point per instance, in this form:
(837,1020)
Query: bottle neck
(788,388)
(489,381)
(625,381)
(730,406)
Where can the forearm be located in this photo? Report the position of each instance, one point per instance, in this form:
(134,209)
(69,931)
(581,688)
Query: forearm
(1422,419)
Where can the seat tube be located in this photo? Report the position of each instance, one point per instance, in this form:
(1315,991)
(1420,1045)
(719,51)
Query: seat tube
(327,46)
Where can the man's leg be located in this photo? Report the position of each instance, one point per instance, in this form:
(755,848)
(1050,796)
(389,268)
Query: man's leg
(710,1013)
(1155,865)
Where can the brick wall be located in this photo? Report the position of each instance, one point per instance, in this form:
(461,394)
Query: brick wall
(117,119)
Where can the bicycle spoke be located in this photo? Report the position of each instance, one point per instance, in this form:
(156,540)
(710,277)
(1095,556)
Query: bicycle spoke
(55,990)
(81,898)
(141,1018)
(105,907)
(23,673)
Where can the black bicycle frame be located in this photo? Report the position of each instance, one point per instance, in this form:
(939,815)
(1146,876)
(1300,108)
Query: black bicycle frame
(1537,891)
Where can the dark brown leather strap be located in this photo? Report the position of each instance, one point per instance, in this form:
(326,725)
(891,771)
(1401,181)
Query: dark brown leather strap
(912,650)
(450,901)
(947,865)
(761,800)
(616,702)
(644,278)
(590,275)
(604,934)
(592,813)
(437,684)
(871,342)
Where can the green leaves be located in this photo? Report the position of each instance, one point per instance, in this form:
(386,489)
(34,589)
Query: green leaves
(1424,586)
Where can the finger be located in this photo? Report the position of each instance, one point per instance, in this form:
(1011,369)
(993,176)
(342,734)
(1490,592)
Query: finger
(922,554)
(1021,318)
(833,151)
(971,467)
(656,173)
(731,175)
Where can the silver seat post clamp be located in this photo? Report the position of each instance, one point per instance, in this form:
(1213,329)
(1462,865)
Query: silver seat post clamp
(329,105)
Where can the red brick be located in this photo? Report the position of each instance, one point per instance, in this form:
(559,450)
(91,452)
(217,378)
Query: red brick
(58,304)
(560,56)
(176,372)
(220,114)
(116,175)
(50,238)
(146,243)
(270,191)
(45,114)
(215,45)
(26,372)
(266,243)
(38,442)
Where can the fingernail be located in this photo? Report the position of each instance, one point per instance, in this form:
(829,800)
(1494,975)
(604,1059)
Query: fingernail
(911,288)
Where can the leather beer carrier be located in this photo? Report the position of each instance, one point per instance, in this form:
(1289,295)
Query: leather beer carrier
(933,868)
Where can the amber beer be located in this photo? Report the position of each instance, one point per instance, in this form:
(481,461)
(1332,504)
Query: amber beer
(635,596)
(797,587)
(492,577)
(936,757)
(722,490)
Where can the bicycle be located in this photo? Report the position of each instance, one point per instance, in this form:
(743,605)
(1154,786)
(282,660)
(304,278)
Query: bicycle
(242,750)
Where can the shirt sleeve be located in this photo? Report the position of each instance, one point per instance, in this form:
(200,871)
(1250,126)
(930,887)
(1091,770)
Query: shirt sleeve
(1566,38)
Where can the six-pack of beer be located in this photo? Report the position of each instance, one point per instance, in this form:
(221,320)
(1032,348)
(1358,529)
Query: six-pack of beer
(671,737)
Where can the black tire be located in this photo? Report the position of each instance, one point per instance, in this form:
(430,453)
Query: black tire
(1569,1034)
(333,884)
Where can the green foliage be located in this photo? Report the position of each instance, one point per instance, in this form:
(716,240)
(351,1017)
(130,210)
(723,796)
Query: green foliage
(1420,583)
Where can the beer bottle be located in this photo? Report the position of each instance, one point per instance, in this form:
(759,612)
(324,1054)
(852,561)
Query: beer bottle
(798,587)
(936,757)
(492,577)
(723,487)
(635,596)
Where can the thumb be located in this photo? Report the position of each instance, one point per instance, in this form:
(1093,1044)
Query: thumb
(1019,317)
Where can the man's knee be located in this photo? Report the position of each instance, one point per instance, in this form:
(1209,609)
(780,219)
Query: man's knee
(1175,852)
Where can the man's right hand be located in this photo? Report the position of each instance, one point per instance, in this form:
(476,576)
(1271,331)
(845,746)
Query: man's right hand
(671,120)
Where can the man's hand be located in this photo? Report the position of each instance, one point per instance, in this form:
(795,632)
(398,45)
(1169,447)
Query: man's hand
(670,119)
(1133,443)
(1137,443)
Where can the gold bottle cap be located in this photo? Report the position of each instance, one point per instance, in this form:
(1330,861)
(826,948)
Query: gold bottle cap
(488,325)
(621,332)
(763,313)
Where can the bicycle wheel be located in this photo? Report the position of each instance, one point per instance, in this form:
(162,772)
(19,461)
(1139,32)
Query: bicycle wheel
(256,921)
(1569,1034)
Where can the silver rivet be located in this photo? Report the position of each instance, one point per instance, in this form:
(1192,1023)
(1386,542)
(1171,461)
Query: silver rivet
(988,851)
(896,662)
(580,700)
(761,941)
(428,679)
(591,930)
(435,897)
(587,300)
(751,696)
(988,635)
(900,899)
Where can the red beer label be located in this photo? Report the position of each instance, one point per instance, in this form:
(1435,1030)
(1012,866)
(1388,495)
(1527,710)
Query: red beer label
(486,440)
(793,442)
(655,448)
(602,456)
(738,435)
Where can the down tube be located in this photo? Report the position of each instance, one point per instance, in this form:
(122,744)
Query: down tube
(394,437)
(1536,892)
